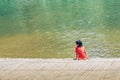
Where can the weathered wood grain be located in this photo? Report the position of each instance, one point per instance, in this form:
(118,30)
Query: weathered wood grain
(60,69)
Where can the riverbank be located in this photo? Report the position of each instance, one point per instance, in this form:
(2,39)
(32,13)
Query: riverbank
(59,69)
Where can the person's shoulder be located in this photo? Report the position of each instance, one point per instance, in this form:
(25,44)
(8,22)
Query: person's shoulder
(83,47)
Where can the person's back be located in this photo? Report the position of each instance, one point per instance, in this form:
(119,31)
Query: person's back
(81,53)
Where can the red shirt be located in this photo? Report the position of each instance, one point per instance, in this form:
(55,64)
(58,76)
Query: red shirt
(81,53)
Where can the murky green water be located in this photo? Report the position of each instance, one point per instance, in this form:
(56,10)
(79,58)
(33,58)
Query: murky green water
(49,28)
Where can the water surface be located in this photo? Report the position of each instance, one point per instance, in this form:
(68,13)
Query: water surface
(49,28)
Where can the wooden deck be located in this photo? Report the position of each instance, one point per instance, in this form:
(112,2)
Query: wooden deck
(60,69)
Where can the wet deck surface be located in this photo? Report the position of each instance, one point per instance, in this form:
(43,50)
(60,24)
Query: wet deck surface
(60,69)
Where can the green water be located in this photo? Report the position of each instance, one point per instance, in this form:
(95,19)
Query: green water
(49,28)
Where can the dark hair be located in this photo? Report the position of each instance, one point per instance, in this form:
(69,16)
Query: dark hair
(79,43)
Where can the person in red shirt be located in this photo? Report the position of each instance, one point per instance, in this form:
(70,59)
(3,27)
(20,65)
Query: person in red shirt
(80,50)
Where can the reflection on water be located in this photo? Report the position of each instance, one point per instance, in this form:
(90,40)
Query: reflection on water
(49,28)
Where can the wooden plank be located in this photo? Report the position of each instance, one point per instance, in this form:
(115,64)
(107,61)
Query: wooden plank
(60,69)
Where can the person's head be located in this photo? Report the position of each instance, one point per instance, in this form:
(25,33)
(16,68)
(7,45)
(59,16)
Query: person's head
(79,43)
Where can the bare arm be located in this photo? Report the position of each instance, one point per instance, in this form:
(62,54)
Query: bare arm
(86,53)
(75,57)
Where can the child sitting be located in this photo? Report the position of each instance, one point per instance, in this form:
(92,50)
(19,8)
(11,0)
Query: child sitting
(80,50)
